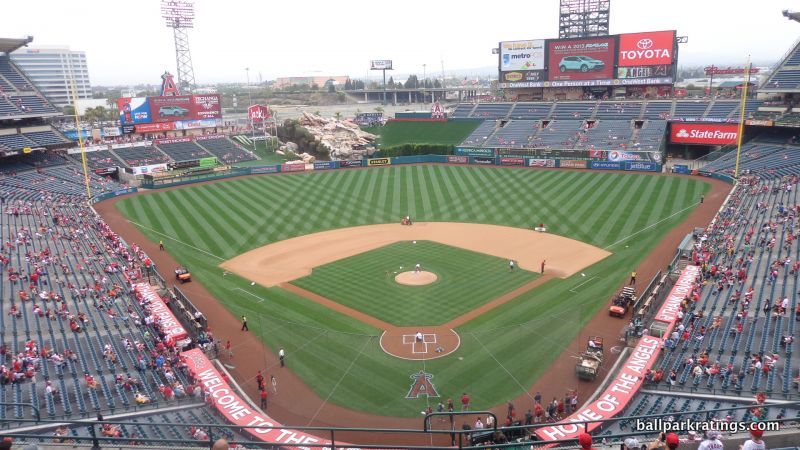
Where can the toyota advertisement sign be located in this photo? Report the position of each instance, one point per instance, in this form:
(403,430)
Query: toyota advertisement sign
(581,59)
(646,49)
(704,133)
(521,55)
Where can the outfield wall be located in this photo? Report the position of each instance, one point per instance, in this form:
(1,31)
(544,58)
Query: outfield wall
(480,157)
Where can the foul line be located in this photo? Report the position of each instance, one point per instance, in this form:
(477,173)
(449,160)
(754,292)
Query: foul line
(260,299)
(503,367)
(576,287)
(336,386)
(176,240)
(651,226)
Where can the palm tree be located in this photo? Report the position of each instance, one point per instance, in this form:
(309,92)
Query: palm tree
(338,116)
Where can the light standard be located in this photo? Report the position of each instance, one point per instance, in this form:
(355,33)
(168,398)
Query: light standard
(249,104)
(424,77)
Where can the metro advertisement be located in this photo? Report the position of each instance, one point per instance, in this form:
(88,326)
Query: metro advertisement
(133,110)
(704,133)
(581,59)
(646,49)
(521,55)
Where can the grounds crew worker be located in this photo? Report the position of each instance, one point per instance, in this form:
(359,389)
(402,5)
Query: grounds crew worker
(244,324)
(633,278)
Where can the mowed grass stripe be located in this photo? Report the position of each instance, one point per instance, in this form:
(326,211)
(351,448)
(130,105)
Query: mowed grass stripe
(638,207)
(550,316)
(610,229)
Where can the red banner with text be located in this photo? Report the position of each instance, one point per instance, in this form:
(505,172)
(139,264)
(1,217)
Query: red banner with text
(704,133)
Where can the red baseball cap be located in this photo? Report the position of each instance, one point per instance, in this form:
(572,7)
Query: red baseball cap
(672,441)
(585,440)
(757,433)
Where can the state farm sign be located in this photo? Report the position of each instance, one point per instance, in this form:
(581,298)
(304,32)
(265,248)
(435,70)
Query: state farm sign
(646,49)
(704,133)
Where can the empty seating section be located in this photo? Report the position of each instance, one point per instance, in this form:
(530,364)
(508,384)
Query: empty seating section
(32,104)
(786,78)
(531,111)
(722,109)
(10,73)
(141,156)
(101,159)
(480,134)
(6,108)
(515,134)
(752,157)
(558,134)
(491,110)
(573,110)
(184,151)
(46,137)
(619,110)
(462,111)
(606,135)
(15,142)
(226,151)
(650,136)
(794,58)
(690,109)
(657,110)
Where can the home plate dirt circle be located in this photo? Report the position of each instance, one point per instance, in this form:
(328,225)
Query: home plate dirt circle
(418,343)
(412,278)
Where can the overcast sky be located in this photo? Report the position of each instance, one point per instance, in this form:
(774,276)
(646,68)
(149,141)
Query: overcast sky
(126,42)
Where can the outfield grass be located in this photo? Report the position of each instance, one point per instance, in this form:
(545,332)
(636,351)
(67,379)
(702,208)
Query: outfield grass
(504,351)
(366,282)
(447,133)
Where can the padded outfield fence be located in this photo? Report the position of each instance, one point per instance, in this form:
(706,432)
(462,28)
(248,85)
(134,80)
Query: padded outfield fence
(478,156)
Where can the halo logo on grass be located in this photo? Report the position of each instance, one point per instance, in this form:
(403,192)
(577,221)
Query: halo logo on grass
(422,386)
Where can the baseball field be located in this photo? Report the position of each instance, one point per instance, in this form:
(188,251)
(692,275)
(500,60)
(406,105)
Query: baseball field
(330,319)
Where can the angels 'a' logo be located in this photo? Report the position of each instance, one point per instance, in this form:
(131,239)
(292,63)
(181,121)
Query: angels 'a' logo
(422,386)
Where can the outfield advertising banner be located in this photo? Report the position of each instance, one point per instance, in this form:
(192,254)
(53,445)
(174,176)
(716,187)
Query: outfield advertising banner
(154,127)
(265,169)
(474,151)
(483,160)
(605,165)
(379,161)
(293,167)
(533,162)
(351,163)
(208,162)
(703,133)
(572,163)
(646,49)
(153,168)
(195,124)
(172,140)
(581,59)
(640,166)
(521,55)
(618,156)
(325,165)
(458,159)
(133,110)
(512,161)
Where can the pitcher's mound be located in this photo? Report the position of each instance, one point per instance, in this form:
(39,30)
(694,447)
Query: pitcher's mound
(412,278)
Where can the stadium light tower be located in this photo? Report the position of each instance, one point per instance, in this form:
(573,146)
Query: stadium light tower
(583,18)
(179,15)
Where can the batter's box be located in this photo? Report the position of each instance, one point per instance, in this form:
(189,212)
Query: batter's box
(418,347)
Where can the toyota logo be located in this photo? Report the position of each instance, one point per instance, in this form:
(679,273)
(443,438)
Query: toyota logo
(644,44)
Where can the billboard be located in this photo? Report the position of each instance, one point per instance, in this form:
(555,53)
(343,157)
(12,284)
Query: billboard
(170,109)
(521,55)
(646,49)
(380,64)
(704,133)
(581,59)
(662,70)
(154,127)
(133,110)
(206,106)
(528,76)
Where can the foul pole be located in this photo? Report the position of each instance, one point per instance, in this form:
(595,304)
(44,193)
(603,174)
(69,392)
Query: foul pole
(741,117)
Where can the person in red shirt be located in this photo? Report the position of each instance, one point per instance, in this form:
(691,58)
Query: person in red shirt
(585,441)
(263,399)
(464,402)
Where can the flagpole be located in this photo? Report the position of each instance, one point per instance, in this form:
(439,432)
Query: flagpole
(80,134)
(741,117)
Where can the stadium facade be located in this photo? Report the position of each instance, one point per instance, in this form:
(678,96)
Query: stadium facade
(52,70)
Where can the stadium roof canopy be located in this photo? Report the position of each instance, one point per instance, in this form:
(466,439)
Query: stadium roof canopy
(8,45)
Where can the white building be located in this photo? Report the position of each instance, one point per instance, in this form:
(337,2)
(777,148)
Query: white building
(52,70)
